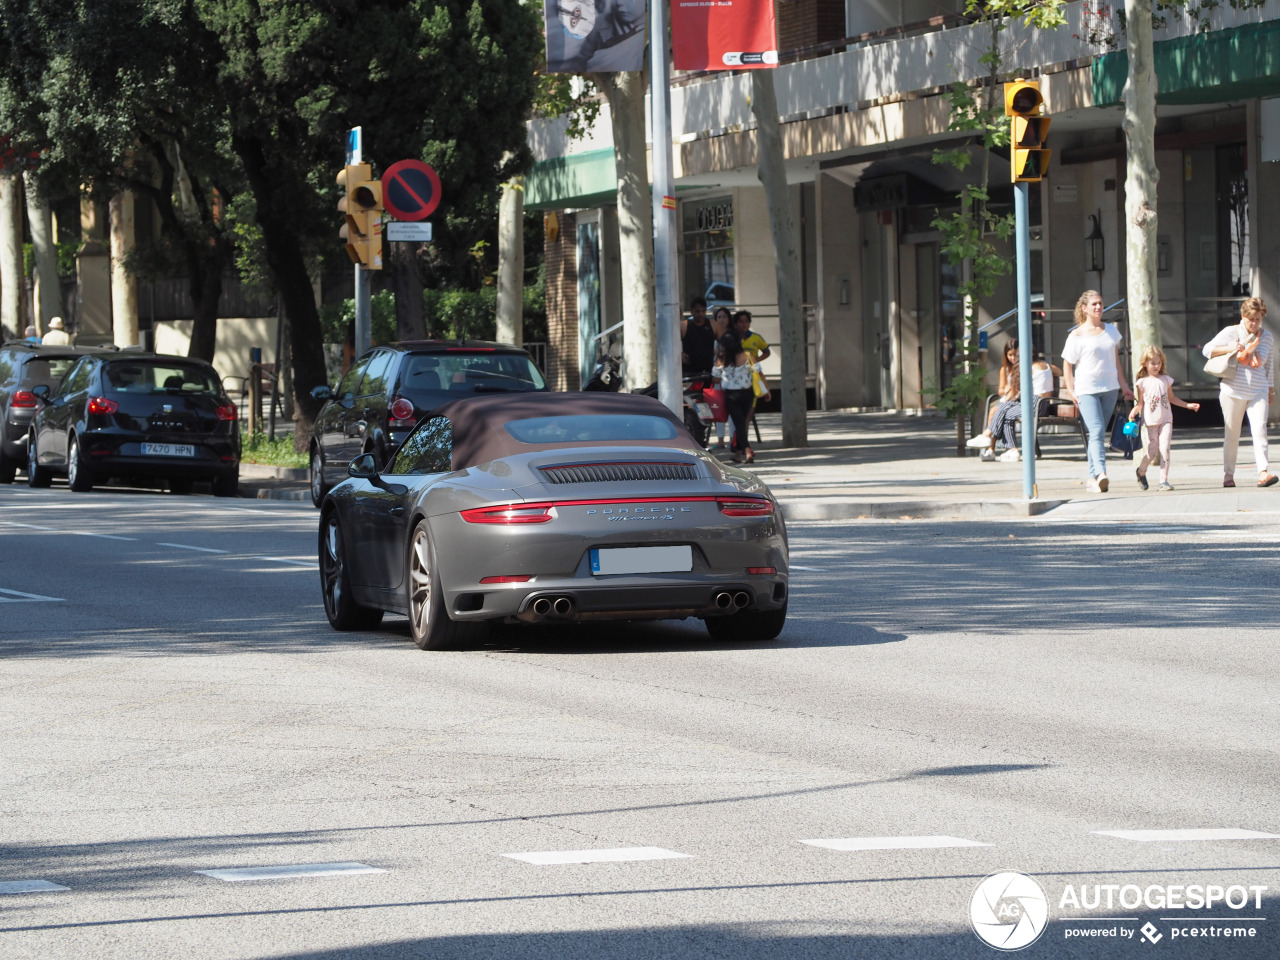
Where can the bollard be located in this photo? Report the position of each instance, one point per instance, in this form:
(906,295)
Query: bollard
(255,390)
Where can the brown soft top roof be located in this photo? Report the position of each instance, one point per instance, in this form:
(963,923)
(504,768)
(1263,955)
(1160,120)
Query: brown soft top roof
(478,422)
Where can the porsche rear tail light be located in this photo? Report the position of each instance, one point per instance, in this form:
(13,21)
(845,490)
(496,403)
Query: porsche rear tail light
(511,513)
(23,398)
(745,506)
(227,411)
(103,405)
(510,578)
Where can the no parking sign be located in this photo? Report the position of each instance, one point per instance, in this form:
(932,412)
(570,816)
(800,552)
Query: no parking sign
(410,190)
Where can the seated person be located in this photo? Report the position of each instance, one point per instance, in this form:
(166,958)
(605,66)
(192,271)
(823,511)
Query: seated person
(1005,415)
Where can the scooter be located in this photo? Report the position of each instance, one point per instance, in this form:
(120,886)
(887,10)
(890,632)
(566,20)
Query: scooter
(698,416)
(607,375)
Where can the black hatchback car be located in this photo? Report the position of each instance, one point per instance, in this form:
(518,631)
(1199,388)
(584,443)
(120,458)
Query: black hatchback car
(23,367)
(388,390)
(137,415)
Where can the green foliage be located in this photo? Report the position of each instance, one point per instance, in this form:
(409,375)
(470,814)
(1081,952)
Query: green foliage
(556,97)
(67,259)
(337,321)
(963,394)
(275,453)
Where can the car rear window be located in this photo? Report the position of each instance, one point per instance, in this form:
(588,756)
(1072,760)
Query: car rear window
(47,370)
(591,428)
(431,379)
(134,376)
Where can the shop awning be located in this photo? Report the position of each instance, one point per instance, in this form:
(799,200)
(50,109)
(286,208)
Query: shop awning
(1237,64)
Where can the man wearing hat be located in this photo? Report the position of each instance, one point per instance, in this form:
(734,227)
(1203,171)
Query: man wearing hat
(56,336)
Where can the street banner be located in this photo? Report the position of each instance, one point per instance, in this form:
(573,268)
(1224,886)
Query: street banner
(595,36)
(723,34)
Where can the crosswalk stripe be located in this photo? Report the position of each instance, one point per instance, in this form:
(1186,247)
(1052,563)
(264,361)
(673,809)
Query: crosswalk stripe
(617,855)
(29,886)
(894,843)
(1187,835)
(289,871)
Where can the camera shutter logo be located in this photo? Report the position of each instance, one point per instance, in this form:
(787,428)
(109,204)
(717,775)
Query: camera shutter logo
(1009,911)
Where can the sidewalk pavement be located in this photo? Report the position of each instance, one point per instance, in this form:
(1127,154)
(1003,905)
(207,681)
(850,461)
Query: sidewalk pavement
(879,465)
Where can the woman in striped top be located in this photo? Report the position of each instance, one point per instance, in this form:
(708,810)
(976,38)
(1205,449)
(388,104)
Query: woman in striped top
(1249,389)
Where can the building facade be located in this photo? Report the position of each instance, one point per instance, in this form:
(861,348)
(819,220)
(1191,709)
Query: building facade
(861,93)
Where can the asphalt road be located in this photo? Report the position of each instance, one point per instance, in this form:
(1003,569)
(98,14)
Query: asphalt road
(964,698)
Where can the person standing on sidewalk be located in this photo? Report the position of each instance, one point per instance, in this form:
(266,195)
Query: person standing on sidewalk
(733,368)
(1093,379)
(1154,389)
(1249,389)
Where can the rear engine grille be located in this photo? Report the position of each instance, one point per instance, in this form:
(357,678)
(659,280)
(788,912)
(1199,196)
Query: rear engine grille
(607,472)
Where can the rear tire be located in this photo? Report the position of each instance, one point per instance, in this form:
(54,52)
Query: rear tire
(747,626)
(335,582)
(79,476)
(428,620)
(696,427)
(318,487)
(37,476)
(226,485)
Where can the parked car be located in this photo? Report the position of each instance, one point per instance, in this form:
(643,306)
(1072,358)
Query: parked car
(23,367)
(552,507)
(137,415)
(393,386)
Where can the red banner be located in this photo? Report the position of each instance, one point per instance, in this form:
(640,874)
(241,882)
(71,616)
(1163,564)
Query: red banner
(723,34)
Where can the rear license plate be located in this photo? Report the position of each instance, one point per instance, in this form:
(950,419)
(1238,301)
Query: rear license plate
(642,560)
(168,450)
(704,411)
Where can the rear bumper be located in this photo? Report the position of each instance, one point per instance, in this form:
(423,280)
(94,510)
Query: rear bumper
(617,598)
(108,455)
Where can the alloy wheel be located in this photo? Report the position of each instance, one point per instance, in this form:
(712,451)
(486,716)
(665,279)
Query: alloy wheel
(333,567)
(420,583)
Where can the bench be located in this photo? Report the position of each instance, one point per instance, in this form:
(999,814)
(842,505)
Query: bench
(1061,412)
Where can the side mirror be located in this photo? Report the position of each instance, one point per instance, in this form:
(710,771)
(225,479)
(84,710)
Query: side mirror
(363,467)
(41,392)
(321,392)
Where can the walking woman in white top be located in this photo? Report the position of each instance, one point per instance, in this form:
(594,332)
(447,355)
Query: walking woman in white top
(1092,378)
(1249,389)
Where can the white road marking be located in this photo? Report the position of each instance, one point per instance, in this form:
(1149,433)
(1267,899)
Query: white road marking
(26,596)
(104,536)
(618,855)
(894,843)
(290,871)
(28,526)
(792,566)
(296,563)
(184,546)
(29,886)
(1179,836)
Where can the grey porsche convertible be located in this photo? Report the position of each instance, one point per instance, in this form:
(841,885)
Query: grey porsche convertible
(527,508)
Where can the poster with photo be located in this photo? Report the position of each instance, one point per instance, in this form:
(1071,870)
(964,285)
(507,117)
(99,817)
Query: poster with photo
(595,36)
(723,34)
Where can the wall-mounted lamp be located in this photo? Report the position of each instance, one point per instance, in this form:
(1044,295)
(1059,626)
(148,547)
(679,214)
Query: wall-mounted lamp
(1094,248)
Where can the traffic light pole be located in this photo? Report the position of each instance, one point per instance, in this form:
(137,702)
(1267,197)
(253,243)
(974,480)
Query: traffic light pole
(1022,244)
(665,274)
(364,326)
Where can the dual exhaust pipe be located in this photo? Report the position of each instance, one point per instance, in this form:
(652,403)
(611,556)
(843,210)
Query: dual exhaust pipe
(553,607)
(732,601)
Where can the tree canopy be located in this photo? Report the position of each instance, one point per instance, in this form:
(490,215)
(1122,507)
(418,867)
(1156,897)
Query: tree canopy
(212,106)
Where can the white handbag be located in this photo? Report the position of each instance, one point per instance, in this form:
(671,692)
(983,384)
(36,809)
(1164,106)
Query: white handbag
(1221,366)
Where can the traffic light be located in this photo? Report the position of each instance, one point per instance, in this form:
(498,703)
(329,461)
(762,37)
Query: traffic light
(1028,159)
(361,206)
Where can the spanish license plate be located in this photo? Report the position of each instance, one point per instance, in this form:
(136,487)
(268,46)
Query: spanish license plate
(614,560)
(704,411)
(168,450)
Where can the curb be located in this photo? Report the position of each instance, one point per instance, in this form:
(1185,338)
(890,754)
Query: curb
(816,509)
